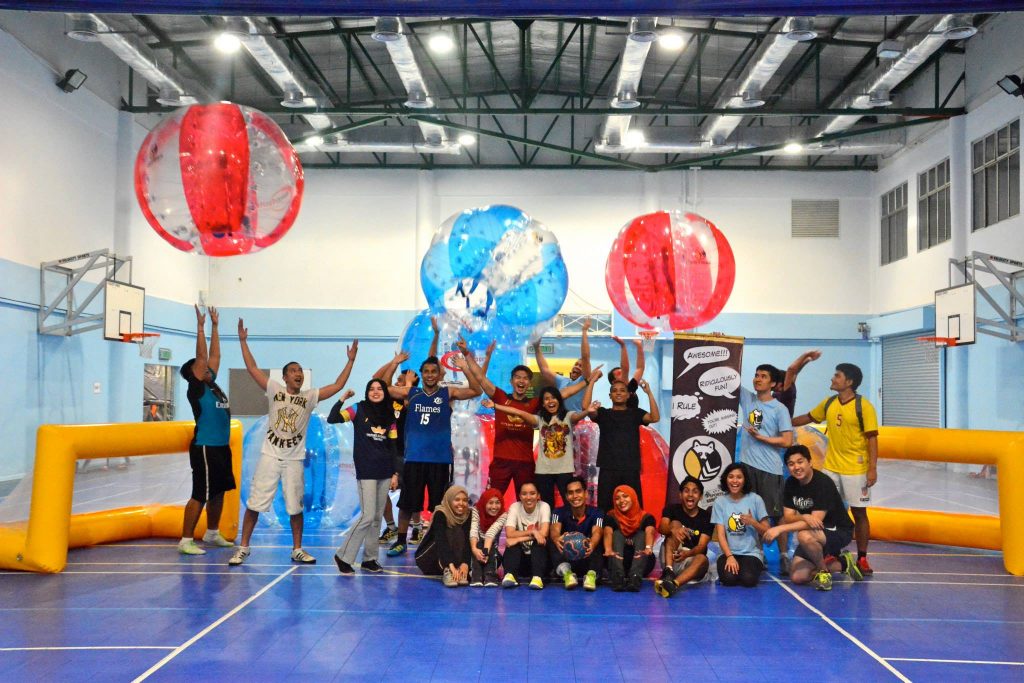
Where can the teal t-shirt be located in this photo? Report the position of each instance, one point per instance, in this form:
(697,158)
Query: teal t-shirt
(769,418)
(742,539)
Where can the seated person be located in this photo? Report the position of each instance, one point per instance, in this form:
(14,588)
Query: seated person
(628,541)
(740,520)
(446,550)
(577,516)
(812,507)
(687,529)
(485,527)
(526,535)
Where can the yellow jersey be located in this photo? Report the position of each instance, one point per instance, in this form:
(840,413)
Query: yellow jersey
(847,451)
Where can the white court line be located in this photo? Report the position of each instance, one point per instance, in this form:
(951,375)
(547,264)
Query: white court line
(888,573)
(191,641)
(87,647)
(952,661)
(849,636)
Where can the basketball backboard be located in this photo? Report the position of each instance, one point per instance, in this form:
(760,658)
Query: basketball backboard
(123,310)
(955,314)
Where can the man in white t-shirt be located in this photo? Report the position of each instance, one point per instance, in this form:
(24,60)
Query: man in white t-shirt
(284,447)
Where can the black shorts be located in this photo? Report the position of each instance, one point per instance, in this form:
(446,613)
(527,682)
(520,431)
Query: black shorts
(434,476)
(836,540)
(769,486)
(211,471)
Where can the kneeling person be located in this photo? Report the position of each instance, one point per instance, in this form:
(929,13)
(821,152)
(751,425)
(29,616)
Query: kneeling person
(687,529)
(576,516)
(813,509)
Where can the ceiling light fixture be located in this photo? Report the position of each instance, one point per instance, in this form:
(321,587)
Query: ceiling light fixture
(314,140)
(793,148)
(671,39)
(441,42)
(227,43)
(634,138)
(467,139)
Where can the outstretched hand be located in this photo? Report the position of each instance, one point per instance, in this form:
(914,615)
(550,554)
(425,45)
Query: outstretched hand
(596,374)
(200,316)
(351,351)
(243,333)
(214,315)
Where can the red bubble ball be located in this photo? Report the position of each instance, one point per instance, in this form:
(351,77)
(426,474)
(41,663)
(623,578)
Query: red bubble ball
(670,271)
(218,179)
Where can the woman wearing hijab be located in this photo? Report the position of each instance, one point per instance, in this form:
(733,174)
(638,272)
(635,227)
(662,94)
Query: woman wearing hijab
(373,451)
(628,540)
(486,523)
(446,548)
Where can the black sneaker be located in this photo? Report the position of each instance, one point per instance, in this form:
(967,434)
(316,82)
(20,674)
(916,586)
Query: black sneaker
(417,533)
(371,566)
(343,566)
(665,587)
(388,535)
(618,582)
(633,584)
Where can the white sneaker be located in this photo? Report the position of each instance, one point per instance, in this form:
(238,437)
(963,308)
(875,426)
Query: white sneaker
(189,547)
(214,538)
(300,555)
(239,556)
(448,580)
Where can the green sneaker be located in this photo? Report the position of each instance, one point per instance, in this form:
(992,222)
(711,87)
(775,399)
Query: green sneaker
(190,547)
(214,538)
(397,549)
(509,581)
(590,581)
(851,569)
(570,581)
(822,581)
(537,583)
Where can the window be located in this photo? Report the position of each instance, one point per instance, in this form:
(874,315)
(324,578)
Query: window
(995,176)
(933,215)
(894,224)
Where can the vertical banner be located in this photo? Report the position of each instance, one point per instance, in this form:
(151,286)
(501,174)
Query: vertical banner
(705,401)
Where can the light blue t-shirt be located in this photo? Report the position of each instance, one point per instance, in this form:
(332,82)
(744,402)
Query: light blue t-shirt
(770,418)
(574,402)
(742,539)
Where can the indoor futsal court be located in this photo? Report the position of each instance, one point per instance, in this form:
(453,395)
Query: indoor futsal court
(534,340)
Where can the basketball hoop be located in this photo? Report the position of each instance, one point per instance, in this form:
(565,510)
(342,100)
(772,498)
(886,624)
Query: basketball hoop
(939,341)
(648,337)
(146,341)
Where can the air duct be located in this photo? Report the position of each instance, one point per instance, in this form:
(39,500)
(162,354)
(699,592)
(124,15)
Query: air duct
(746,92)
(383,139)
(140,57)
(873,90)
(642,32)
(687,140)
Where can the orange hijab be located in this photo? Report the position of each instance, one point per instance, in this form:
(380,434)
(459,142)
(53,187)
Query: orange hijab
(629,521)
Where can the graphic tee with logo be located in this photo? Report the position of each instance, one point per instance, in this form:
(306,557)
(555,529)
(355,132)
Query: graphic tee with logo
(555,455)
(742,539)
(820,493)
(769,419)
(513,437)
(287,420)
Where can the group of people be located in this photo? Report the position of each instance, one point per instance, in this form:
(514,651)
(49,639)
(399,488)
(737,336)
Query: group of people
(402,441)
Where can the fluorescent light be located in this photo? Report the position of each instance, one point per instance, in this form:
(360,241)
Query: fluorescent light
(467,139)
(793,148)
(634,138)
(314,140)
(441,42)
(227,43)
(671,39)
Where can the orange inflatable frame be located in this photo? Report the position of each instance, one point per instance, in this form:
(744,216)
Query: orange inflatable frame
(41,543)
(1005,450)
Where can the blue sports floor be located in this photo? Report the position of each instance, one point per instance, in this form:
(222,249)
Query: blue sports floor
(140,611)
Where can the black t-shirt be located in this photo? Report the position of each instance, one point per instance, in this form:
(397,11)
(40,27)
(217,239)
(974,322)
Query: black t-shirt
(820,493)
(698,524)
(633,401)
(619,446)
(400,413)
(787,397)
(612,523)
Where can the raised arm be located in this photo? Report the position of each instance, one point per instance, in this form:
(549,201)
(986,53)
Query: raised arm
(214,339)
(623,358)
(801,420)
(386,372)
(202,355)
(588,395)
(530,418)
(640,362)
(796,366)
(254,371)
(585,348)
(487,356)
(577,386)
(542,365)
(653,415)
(472,367)
(465,393)
(590,411)
(331,389)
(433,340)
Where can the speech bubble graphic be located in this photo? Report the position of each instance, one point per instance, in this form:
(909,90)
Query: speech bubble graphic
(721,381)
(703,354)
(719,421)
(685,407)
